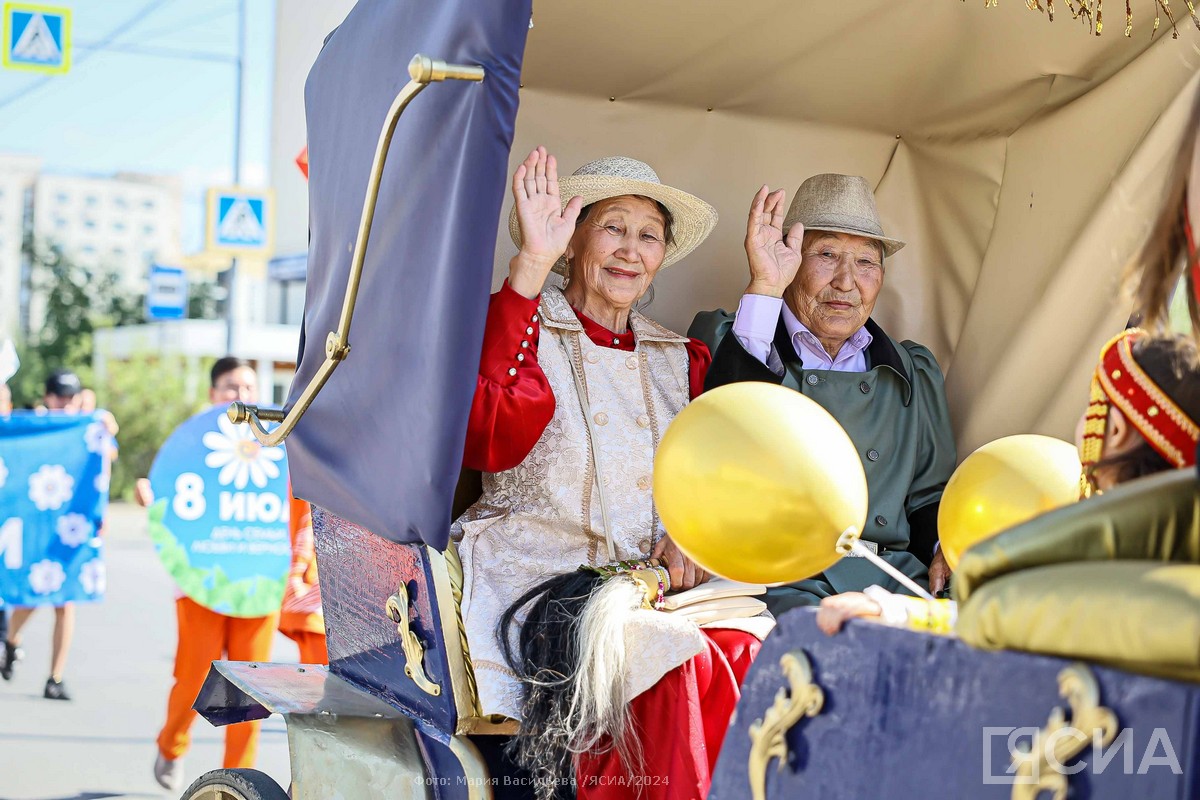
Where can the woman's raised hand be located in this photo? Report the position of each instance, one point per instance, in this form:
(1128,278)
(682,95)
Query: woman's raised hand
(774,259)
(546,227)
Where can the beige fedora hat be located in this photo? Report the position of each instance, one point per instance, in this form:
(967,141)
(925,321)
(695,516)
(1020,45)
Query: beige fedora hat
(614,176)
(839,203)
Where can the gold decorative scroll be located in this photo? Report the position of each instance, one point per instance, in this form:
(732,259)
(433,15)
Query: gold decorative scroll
(1091,12)
(414,652)
(768,736)
(1090,722)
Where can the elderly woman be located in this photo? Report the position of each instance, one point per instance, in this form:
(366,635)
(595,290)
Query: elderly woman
(574,393)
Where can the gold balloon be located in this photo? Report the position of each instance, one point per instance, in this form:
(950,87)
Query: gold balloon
(756,482)
(1002,484)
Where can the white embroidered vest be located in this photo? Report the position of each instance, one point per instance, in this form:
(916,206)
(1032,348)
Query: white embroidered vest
(545,517)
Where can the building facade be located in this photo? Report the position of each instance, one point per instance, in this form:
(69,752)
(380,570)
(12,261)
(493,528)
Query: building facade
(18,174)
(119,224)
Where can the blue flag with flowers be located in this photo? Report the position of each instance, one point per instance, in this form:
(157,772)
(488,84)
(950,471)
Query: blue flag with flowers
(54,476)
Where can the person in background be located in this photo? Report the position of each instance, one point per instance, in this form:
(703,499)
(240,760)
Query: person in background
(300,617)
(5,410)
(63,394)
(205,635)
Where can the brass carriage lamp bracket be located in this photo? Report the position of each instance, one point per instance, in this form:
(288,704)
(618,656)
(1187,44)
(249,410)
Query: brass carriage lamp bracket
(414,651)
(768,736)
(422,71)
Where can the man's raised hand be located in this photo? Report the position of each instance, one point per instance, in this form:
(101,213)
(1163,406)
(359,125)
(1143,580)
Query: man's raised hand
(546,227)
(774,259)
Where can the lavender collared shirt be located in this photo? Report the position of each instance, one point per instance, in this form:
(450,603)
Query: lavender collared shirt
(754,326)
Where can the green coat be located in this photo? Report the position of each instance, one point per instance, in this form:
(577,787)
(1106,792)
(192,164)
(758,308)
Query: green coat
(896,415)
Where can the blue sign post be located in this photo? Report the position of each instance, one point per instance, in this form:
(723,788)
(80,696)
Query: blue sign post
(168,293)
(240,221)
(37,38)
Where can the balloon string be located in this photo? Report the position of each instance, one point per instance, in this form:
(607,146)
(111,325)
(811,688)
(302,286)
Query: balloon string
(861,549)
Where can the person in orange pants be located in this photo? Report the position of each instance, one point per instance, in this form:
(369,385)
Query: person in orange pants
(205,635)
(301,618)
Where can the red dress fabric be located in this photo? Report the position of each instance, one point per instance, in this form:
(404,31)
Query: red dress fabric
(513,401)
(680,723)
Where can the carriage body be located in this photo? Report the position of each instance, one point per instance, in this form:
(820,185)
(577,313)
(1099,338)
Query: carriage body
(1025,158)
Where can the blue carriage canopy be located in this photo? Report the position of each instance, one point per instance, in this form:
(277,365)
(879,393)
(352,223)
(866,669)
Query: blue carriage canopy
(382,443)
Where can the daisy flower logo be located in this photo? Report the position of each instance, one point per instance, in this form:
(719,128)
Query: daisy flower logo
(3,473)
(93,577)
(46,577)
(96,437)
(239,456)
(74,529)
(50,487)
(103,481)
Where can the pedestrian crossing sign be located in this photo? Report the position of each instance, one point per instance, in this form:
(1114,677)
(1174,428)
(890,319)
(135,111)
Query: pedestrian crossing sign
(37,38)
(241,221)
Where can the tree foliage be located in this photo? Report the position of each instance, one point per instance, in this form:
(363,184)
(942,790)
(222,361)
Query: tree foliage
(75,301)
(148,394)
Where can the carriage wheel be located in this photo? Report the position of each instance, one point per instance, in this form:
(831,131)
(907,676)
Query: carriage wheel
(235,784)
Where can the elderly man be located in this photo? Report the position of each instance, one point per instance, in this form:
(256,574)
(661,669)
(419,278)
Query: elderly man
(805,322)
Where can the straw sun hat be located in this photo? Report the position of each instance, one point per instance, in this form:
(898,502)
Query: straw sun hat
(839,203)
(615,176)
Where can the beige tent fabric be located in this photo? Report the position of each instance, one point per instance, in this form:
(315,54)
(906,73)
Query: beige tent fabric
(1074,209)
(1022,160)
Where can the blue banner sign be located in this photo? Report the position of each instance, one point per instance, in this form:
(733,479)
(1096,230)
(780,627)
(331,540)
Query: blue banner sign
(220,515)
(167,295)
(54,475)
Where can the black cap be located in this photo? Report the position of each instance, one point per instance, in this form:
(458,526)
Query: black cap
(63,383)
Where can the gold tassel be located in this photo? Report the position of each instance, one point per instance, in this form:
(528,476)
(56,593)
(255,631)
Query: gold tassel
(1165,5)
(1091,13)
(1095,426)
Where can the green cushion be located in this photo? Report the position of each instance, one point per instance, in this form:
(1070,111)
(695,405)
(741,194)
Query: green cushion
(1155,519)
(1140,616)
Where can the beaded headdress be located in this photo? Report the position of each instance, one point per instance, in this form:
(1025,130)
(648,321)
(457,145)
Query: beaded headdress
(1121,382)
